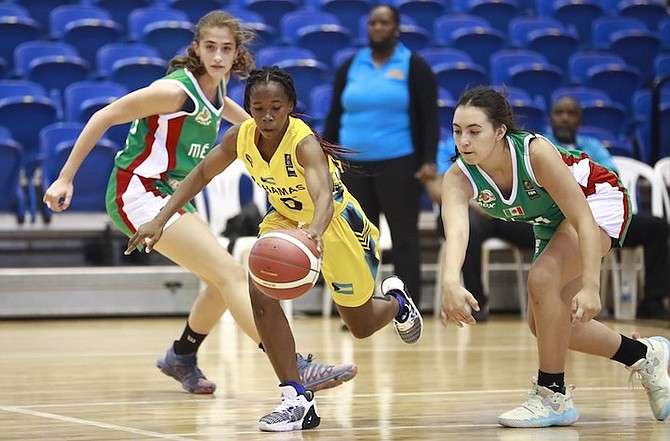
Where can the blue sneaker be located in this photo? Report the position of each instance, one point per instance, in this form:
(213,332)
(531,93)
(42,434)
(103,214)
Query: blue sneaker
(542,408)
(316,376)
(295,412)
(184,368)
(411,329)
(653,373)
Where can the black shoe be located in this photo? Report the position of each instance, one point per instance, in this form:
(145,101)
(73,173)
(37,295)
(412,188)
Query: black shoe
(654,311)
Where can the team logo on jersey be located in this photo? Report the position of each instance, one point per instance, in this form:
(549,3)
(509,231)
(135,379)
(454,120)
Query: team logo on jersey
(396,73)
(486,199)
(343,288)
(514,211)
(288,162)
(531,192)
(269,180)
(204,117)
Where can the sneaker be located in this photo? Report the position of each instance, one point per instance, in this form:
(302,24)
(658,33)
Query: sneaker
(295,412)
(411,329)
(316,376)
(542,408)
(653,373)
(184,368)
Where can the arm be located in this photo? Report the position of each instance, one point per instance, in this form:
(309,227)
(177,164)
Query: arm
(233,112)
(456,194)
(425,123)
(158,98)
(331,129)
(319,185)
(214,163)
(552,173)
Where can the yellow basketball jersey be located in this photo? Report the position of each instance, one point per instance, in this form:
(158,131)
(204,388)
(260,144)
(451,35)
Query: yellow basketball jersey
(283,178)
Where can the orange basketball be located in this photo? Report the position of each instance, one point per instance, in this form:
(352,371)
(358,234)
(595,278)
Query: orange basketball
(284,264)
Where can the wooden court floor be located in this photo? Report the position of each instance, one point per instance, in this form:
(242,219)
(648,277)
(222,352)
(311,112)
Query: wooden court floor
(96,380)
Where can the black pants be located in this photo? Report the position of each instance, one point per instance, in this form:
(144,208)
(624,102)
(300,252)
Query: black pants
(389,187)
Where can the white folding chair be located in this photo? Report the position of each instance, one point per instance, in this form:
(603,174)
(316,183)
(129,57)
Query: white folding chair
(517,265)
(221,201)
(631,268)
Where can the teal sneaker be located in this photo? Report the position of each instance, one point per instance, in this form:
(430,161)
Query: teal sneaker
(542,408)
(653,374)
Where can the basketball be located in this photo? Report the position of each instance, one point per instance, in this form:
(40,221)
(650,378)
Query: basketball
(284,264)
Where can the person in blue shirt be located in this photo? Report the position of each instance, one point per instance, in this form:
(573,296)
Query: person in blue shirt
(384,109)
(649,231)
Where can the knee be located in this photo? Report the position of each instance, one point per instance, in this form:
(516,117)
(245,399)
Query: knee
(539,279)
(360,330)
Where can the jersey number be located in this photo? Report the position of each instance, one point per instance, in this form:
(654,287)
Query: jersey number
(292,204)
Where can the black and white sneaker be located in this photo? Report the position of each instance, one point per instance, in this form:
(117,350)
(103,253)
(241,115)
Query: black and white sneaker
(411,327)
(295,412)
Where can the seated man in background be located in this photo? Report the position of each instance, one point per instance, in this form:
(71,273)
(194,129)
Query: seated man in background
(649,231)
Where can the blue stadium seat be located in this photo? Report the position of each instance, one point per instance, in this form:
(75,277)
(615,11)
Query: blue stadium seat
(60,16)
(348,12)
(424,12)
(273,10)
(39,10)
(324,40)
(611,116)
(414,37)
(580,62)
(445,25)
(272,55)
(446,105)
(17,87)
(53,64)
(457,76)
(342,55)
(195,9)
(168,37)
(581,94)
(11,160)
(480,42)
(555,44)
(501,61)
(140,18)
(291,22)
(520,26)
(642,110)
(619,81)
(438,55)
(664,34)
(498,13)
(121,9)
(111,53)
(14,31)
(137,72)
(91,180)
(529,114)
(578,13)
(82,99)
(13,10)
(651,12)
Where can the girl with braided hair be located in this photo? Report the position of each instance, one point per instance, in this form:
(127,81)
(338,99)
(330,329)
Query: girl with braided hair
(175,123)
(285,157)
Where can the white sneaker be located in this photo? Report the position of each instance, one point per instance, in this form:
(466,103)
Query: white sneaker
(542,408)
(410,330)
(653,373)
(295,412)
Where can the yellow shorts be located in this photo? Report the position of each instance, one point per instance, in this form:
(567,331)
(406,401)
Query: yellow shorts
(350,254)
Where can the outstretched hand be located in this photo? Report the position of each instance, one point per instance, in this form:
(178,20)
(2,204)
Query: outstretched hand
(147,234)
(457,303)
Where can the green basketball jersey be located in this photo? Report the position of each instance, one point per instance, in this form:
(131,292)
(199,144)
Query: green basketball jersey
(283,177)
(528,202)
(166,147)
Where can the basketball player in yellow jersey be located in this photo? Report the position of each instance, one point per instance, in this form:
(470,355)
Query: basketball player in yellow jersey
(298,171)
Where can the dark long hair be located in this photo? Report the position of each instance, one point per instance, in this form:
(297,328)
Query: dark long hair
(277,75)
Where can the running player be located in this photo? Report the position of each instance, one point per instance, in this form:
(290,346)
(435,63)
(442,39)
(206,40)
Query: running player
(299,172)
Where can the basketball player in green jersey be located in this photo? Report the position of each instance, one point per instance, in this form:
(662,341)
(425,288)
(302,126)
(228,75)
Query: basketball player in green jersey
(579,211)
(175,122)
(299,173)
